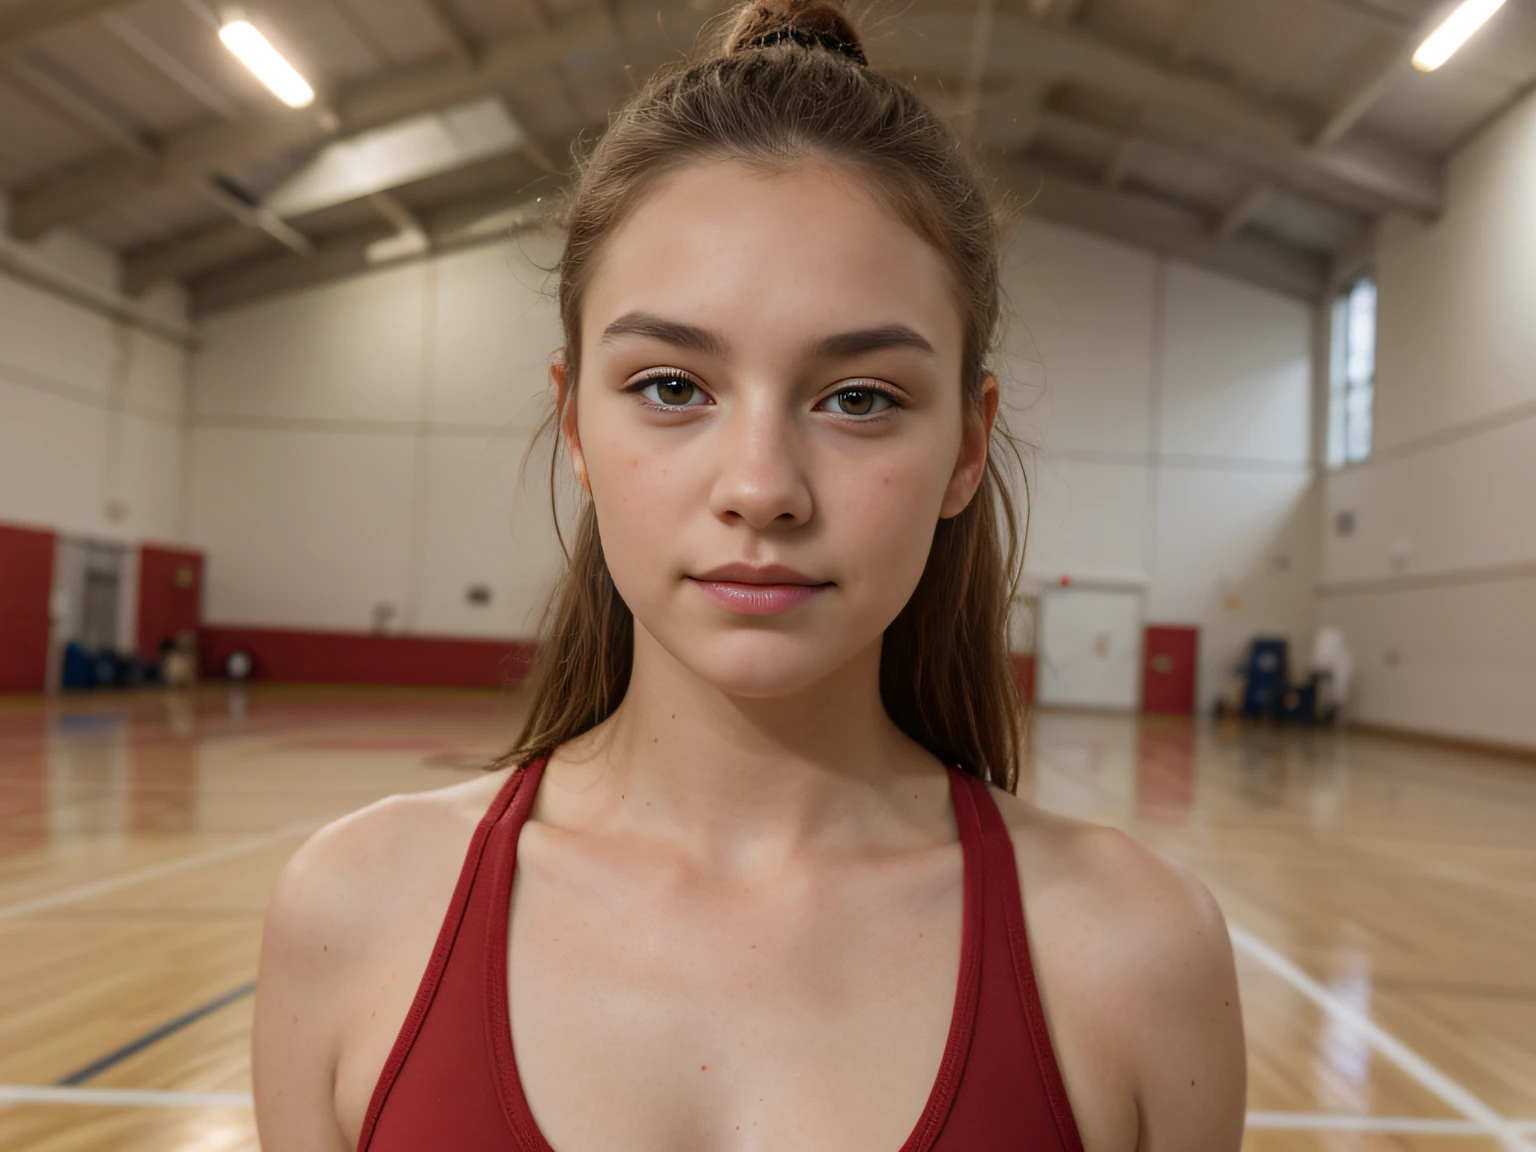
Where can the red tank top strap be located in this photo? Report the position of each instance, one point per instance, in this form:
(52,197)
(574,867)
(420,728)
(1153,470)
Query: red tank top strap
(498,1008)
(962,1026)
(446,936)
(1002,873)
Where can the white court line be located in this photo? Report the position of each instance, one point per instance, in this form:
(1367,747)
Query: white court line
(132,1097)
(1379,1125)
(154,871)
(1431,1078)
(1269,1121)
(1376,1125)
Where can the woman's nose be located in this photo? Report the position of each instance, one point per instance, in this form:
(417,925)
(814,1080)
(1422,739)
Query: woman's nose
(760,478)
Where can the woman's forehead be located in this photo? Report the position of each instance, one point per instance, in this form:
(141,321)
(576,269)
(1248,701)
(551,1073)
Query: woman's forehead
(732,246)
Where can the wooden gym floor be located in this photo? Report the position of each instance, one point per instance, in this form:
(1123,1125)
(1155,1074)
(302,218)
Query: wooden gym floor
(1382,899)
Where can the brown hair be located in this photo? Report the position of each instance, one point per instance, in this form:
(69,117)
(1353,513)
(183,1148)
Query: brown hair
(790,84)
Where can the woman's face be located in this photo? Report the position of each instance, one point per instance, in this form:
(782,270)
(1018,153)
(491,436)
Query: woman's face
(770,419)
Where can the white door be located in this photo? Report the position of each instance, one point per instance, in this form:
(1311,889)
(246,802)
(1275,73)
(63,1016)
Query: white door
(1089,648)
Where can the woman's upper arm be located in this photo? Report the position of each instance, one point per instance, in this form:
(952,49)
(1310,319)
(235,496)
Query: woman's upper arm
(1190,1060)
(295,1040)
(1141,994)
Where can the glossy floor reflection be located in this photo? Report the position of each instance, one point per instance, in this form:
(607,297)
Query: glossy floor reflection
(1382,898)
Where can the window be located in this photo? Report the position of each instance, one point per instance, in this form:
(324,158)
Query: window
(1352,374)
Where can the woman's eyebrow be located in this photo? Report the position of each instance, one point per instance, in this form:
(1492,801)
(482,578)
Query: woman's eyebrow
(668,331)
(868,340)
(837,346)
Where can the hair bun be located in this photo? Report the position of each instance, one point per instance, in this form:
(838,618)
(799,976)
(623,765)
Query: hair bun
(815,24)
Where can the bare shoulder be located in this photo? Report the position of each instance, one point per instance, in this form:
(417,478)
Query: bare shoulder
(349,931)
(1137,977)
(1106,884)
(378,858)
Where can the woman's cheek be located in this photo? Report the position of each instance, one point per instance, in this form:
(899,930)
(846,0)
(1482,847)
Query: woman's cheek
(884,531)
(640,512)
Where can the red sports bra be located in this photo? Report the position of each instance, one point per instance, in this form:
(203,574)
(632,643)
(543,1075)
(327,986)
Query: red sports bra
(998,1086)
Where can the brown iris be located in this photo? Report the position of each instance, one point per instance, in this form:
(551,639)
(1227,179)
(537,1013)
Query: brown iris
(856,401)
(674,390)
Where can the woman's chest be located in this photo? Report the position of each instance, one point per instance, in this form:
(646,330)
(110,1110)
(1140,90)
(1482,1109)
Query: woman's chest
(812,1014)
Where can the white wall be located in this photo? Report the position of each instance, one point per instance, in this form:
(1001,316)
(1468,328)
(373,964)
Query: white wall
(1170,410)
(360,444)
(90,407)
(1435,589)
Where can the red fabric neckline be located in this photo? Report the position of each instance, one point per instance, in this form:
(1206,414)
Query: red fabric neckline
(962,1022)
(421,1003)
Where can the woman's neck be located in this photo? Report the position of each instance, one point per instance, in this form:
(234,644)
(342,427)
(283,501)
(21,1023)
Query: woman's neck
(746,780)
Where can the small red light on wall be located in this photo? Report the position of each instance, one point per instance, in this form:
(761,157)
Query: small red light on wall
(1064,581)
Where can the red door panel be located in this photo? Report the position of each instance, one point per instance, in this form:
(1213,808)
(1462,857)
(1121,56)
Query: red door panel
(1024,674)
(1169,653)
(170,596)
(26,580)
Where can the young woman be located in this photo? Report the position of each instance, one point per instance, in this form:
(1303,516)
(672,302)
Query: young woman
(754,877)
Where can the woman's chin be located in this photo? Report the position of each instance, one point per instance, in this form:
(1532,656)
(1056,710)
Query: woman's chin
(763,665)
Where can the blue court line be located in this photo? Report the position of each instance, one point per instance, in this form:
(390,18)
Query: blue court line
(133,1047)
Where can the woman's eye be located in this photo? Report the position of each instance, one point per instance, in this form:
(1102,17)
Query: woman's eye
(856,402)
(671,391)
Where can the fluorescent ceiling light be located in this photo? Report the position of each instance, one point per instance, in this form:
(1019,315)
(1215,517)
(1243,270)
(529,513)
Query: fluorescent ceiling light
(257,54)
(1458,28)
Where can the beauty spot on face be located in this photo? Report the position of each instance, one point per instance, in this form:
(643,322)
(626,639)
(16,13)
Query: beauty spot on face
(769,419)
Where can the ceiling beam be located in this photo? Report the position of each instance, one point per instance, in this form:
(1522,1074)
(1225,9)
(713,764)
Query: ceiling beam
(1365,97)
(1225,120)
(452,29)
(975,73)
(1123,157)
(169,66)
(28,19)
(199,251)
(91,111)
(204,251)
(1371,11)
(1176,232)
(255,215)
(493,214)
(190,252)
(1188,35)
(1391,68)
(1249,205)
(1058,12)
(1120,163)
(396,213)
(1016,134)
(42,81)
(61,197)
(484,221)
(338,257)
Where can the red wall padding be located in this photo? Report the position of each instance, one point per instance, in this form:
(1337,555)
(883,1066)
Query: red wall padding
(167,605)
(26,579)
(302,657)
(1024,670)
(1169,655)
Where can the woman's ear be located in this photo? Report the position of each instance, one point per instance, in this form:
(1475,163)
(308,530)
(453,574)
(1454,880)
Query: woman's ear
(561,380)
(971,465)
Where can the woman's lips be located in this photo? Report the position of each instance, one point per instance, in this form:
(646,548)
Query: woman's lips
(758,599)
